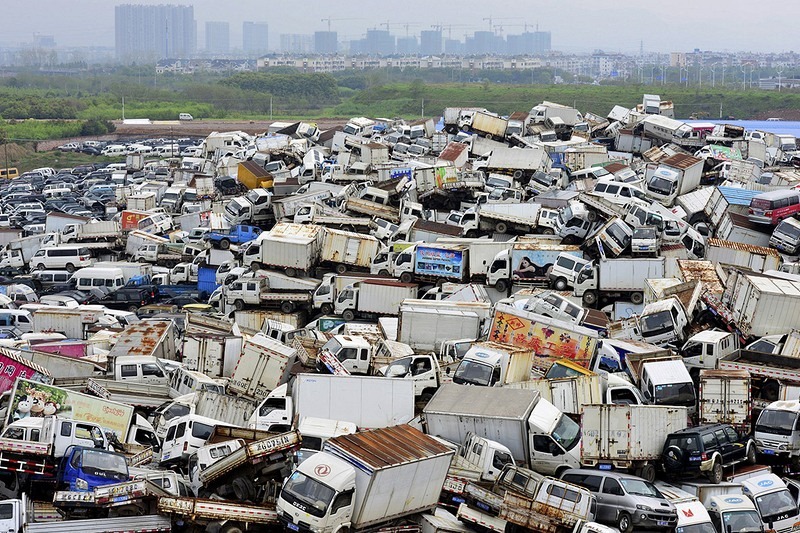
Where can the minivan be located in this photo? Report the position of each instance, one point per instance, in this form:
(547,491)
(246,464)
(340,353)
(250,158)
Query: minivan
(773,206)
(155,224)
(185,435)
(9,173)
(62,257)
(185,116)
(620,193)
(184,381)
(109,278)
(51,277)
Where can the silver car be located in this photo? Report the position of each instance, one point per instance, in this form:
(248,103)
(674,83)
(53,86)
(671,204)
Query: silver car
(625,501)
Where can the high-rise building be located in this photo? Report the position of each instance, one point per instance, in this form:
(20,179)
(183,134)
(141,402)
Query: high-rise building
(218,37)
(541,42)
(296,43)
(154,32)
(379,42)
(407,45)
(326,42)
(255,38)
(430,42)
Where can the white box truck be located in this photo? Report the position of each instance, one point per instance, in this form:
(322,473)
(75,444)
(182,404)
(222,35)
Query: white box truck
(373,297)
(426,328)
(628,437)
(347,250)
(367,479)
(618,278)
(296,251)
(264,365)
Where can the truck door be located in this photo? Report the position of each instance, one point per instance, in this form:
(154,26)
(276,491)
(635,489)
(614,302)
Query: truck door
(546,454)
(10,517)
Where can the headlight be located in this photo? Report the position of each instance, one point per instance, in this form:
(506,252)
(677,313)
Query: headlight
(81,484)
(759,443)
(782,447)
(643,507)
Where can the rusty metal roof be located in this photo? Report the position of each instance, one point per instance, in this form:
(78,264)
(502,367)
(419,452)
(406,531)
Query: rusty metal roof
(744,247)
(701,271)
(380,448)
(682,161)
(452,151)
(141,338)
(715,373)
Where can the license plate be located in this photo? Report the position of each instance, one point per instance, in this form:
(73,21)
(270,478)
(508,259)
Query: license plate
(695,458)
(120,498)
(663,523)
(458,499)
(293,527)
(605,467)
(768,452)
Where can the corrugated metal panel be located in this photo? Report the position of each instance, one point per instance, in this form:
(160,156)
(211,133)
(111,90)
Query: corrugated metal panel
(681,161)
(452,151)
(481,401)
(141,338)
(737,195)
(743,247)
(389,446)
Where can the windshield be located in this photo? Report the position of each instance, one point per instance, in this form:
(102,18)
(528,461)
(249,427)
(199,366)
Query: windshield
(656,323)
(497,182)
(788,229)
(307,494)
(104,464)
(776,422)
(619,236)
(332,346)
(472,373)
(705,527)
(564,215)
(567,433)
(639,195)
(675,394)
(660,185)
(742,521)
(640,487)
(644,233)
(201,431)
(776,505)
(560,371)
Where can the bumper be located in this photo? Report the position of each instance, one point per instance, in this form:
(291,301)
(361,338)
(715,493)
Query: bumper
(653,520)
(759,219)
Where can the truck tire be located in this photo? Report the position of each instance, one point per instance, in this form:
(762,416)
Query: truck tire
(501,227)
(326,308)
(255,265)
(291,272)
(287,307)
(238,305)
(637,298)
(548,231)
(349,315)
(648,473)
(590,298)
(591,215)
(518,174)
(406,277)
(341,269)
(142,260)
(70,267)
(489,136)
(224,244)
(560,284)
(231,528)
(501,286)
(40,266)
(243,489)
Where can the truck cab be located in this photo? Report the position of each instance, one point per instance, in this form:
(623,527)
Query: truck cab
(775,502)
(61,433)
(704,349)
(493,365)
(777,431)
(734,512)
(274,413)
(573,223)
(140,369)
(555,439)
(353,352)
(667,382)
(664,322)
(84,469)
(424,370)
(565,271)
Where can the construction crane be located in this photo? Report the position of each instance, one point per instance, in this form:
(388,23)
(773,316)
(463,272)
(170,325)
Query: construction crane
(329,20)
(490,19)
(449,28)
(405,25)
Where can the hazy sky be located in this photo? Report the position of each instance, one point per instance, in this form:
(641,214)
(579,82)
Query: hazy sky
(576,25)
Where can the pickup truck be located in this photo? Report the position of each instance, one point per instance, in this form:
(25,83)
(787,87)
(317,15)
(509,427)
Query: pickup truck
(142,395)
(256,292)
(262,460)
(769,373)
(128,498)
(223,239)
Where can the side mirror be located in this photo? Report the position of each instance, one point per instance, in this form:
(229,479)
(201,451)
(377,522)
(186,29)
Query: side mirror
(447,371)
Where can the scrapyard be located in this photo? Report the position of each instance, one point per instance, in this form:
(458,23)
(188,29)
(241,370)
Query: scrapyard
(552,322)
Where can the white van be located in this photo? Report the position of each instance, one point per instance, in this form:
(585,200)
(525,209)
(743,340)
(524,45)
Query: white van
(51,277)
(66,258)
(183,381)
(185,116)
(20,319)
(114,150)
(140,369)
(620,193)
(185,435)
(155,224)
(109,278)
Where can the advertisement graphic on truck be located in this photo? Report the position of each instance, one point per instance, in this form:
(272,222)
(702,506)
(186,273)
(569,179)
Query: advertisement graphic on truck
(541,336)
(439,262)
(31,399)
(13,367)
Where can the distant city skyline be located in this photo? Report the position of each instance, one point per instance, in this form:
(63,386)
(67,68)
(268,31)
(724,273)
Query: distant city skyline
(575,25)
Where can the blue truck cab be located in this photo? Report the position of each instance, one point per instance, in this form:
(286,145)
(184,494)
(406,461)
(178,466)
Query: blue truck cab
(223,238)
(84,469)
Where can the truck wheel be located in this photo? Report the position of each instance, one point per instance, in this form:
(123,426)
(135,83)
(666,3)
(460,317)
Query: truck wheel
(591,215)
(548,231)
(349,315)
(501,227)
(590,298)
(287,307)
(715,475)
(142,260)
(406,277)
(224,244)
(751,454)
(231,528)
(501,285)
(341,269)
(384,272)
(70,267)
(624,523)
(518,174)
(560,284)
(291,272)
(471,234)
(489,136)
(648,473)
(40,266)
(243,489)
(238,305)
(255,265)
(326,309)
(637,298)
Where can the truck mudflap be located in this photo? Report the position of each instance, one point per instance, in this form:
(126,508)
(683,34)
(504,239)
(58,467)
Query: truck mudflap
(194,508)
(333,365)
(125,524)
